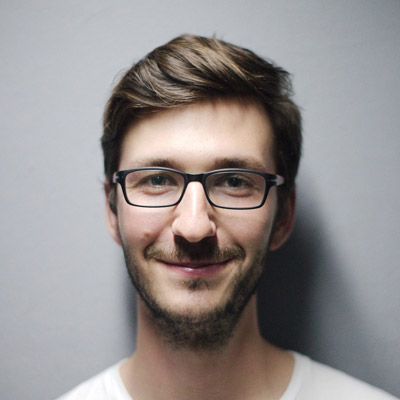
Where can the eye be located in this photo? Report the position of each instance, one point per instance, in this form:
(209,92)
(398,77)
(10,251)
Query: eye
(234,181)
(158,180)
(151,179)
(234,184)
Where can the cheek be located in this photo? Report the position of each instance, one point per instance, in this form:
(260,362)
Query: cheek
(251,231)
(140,226)
(253,228)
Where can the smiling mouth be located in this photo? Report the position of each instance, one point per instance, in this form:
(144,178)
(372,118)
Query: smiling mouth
(195,265)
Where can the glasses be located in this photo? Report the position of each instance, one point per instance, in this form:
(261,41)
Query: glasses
(236,189)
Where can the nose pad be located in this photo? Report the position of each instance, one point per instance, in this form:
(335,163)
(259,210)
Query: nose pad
(192,221)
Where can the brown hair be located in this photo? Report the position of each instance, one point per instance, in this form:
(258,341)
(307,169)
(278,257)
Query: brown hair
(190,69)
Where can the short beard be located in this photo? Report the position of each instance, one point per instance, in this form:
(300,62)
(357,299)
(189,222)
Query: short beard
(210,330)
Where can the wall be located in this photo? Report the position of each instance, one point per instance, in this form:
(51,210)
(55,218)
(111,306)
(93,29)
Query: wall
(67,309)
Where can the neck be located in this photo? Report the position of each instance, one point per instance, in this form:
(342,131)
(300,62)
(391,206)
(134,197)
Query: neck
(246,367)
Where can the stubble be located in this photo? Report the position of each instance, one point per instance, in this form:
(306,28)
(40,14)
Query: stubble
(208,330)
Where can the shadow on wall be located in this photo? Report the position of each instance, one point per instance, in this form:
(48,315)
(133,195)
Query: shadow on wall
(305,304)
(285,291)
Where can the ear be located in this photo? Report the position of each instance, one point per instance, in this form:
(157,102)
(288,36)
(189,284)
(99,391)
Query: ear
(284,225)
(111,213)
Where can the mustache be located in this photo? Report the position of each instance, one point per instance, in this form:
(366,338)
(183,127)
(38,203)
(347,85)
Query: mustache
(205,250)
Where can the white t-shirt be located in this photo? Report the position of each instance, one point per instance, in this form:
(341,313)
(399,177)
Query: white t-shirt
(310,381)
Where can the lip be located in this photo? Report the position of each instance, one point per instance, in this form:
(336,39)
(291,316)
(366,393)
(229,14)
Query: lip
(196,269)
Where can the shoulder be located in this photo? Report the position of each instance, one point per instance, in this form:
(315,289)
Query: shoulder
(106,385)
(320,381)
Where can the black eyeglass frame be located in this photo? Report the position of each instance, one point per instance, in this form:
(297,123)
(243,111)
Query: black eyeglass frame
(270,181)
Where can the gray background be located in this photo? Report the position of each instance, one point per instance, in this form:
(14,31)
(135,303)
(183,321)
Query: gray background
(67,310)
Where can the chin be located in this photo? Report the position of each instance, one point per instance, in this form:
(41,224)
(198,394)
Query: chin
(199,313)
(197,306)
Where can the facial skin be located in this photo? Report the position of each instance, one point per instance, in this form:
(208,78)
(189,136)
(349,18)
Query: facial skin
(194,265)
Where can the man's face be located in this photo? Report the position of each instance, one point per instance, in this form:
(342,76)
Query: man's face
(192,259)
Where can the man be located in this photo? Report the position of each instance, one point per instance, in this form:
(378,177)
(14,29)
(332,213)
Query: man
(201,149)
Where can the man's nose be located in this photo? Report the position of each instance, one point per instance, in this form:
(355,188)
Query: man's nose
(192,221)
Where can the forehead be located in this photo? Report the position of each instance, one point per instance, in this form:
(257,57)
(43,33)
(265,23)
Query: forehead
(200,137)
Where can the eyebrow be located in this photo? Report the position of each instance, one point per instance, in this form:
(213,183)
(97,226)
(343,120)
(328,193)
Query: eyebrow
(238,162)
(219,163)
(153,162)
